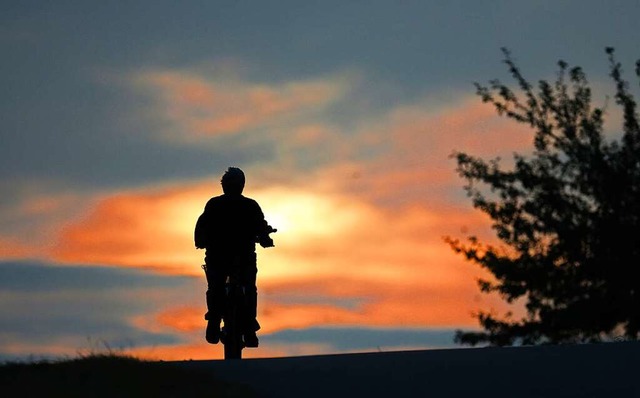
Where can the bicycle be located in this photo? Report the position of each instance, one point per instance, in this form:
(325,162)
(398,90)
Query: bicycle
(235,305)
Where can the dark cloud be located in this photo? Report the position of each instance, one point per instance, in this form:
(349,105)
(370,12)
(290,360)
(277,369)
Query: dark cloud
(359,339)
(62,121)
(47,308)
(59,121)
(90,152)
(40,278)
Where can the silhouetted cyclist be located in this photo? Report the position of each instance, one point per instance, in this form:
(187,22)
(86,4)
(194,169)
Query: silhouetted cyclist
(228,229)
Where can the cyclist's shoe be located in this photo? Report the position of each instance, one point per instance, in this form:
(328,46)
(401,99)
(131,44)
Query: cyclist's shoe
(251,340)
(213,332)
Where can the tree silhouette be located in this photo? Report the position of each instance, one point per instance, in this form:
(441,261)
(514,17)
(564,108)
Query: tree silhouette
(567,216)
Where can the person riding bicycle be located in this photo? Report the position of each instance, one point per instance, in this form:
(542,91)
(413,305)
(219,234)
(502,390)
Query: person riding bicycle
(228,229)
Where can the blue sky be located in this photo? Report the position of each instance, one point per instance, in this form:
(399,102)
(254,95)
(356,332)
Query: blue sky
(117,119)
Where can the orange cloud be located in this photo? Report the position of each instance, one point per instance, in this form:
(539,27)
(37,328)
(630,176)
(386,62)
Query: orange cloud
(183,319)
(146,228)
(189,323)
(412,145)
(11,248)
(468,125)
(329,246)
(205,106)
(28,227)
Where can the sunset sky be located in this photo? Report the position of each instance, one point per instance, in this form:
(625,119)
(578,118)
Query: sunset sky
(117,120)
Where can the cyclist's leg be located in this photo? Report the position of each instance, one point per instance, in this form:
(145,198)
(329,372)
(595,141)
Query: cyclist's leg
(249,274)
(215,287)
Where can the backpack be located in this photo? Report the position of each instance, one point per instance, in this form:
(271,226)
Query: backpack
(200,234)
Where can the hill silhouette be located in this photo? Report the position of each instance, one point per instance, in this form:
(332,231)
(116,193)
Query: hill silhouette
(111,376)
(551,371)
(588,370)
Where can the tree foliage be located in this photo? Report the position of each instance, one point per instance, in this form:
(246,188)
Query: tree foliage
(567,215)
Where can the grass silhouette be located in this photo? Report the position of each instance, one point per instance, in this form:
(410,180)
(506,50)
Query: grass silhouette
(110,375)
